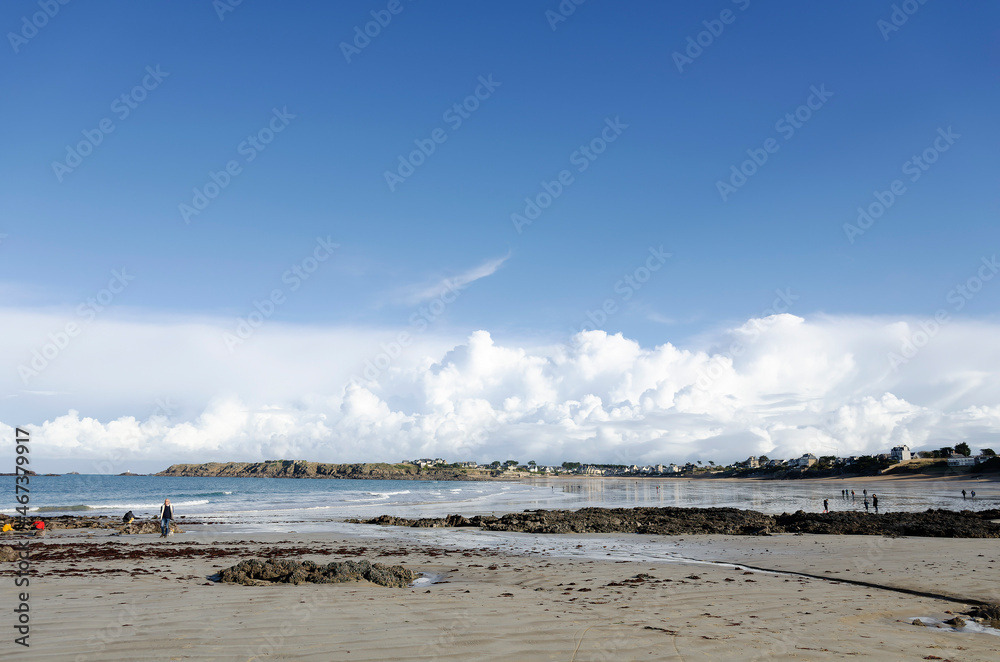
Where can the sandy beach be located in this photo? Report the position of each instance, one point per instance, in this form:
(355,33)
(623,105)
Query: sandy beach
(96,596)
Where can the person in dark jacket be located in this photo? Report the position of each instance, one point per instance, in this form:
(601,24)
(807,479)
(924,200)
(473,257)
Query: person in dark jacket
(166,514)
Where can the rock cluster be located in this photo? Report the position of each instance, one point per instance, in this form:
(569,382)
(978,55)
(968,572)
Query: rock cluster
(8,555)
(987,615)
(729,521)
(258,572)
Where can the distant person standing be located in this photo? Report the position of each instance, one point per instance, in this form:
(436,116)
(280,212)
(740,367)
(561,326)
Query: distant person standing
(853,495)
(875,502)
(963,495)
(166,514)
(973,494)
(866,504)
(826,506)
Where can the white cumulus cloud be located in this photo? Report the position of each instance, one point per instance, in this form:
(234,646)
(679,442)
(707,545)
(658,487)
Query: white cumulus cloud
(779,386)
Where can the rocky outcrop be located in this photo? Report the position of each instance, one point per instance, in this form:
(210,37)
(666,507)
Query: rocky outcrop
(297,469)
(8,555)
(258,572)
(729,521)
(96,522)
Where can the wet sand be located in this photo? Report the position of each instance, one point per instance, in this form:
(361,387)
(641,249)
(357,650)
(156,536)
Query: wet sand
(150,599)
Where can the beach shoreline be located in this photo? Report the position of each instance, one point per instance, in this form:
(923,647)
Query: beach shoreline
(99,597)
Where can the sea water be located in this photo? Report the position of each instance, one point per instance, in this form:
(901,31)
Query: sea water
(272,503)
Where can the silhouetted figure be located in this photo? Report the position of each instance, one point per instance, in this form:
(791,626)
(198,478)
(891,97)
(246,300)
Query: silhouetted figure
(866,504)
(826,506)
(963,495)
(875,502)
(973,494)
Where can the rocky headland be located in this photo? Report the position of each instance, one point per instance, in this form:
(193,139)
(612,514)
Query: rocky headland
(302,469)
(728,521)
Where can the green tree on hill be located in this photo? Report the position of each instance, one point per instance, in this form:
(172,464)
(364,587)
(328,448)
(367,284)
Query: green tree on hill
(988,452)
(963,449)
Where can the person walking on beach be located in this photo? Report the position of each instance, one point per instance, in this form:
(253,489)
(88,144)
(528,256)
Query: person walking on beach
(973,494)
(875,502)
(853,495)
(866,504)
(166,514)
(963,495)
(826,506)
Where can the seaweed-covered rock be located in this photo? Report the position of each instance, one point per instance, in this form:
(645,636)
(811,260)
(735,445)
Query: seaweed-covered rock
(264,572)
(8,555)
(729,521)
(987,615)
(147,526)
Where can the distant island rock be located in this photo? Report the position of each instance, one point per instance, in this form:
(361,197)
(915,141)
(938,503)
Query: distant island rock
(303,469)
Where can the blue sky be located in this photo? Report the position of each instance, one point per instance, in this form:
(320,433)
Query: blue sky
(655,185)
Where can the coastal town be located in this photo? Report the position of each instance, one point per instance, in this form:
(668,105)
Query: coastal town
(899,458)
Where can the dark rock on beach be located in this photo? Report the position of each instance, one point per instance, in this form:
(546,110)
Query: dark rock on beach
(728,521)
(987,615)
(958,622)
(258,572)
(92,522)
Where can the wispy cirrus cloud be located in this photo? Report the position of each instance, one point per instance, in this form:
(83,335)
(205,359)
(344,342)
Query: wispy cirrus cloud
(432,289)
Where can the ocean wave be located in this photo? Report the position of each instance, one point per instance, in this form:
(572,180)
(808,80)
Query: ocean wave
(112,506)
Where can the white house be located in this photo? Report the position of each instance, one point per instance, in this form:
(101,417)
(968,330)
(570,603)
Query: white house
(900,453)
(807,460)
(962,461)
